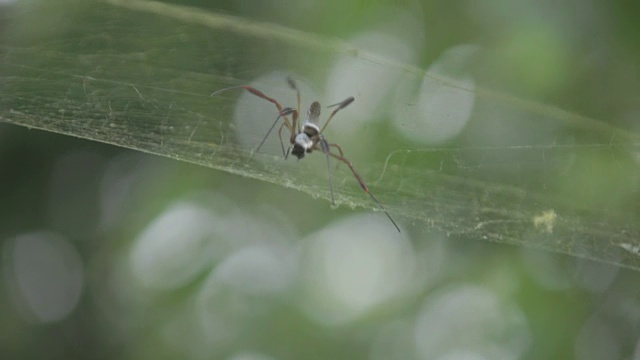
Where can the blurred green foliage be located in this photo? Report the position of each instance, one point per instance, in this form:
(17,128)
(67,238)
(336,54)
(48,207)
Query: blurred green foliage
(209,294)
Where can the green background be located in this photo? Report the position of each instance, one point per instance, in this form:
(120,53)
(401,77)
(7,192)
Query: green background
(217,252)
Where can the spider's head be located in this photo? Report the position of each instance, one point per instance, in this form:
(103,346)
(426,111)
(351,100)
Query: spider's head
(298,151)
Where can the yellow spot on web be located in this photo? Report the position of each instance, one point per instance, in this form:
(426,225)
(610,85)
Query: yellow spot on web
(545,221)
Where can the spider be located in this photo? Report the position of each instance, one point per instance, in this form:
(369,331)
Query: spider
(309,136)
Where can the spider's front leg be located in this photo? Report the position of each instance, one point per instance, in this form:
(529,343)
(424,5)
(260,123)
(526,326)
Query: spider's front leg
(283,113)
(341,105)
(257,93)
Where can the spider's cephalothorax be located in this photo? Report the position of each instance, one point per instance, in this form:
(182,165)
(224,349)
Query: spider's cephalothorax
(308,137)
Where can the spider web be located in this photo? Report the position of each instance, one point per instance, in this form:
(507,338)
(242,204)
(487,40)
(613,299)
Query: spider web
(138,75)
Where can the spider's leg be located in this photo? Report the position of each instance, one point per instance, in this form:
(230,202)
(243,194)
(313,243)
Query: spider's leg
(283,113)
(341,154)
(363,185)
(327,152)
(259,94)
(292,84)
(285,154)
(340,106)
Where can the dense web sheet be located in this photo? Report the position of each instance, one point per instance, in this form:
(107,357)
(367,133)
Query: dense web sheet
(138,74)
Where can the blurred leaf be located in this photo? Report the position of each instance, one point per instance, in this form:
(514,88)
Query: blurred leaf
(138,74)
